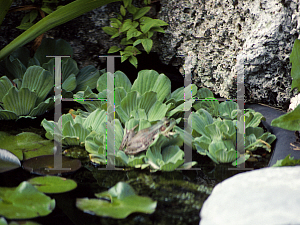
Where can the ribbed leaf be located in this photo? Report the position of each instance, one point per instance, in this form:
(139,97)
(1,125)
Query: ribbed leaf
(87,76)
(39,81)
(20,102)
(150,80)
(5,85)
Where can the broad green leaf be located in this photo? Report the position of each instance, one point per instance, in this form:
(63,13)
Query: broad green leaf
(58,17)
(25,26)
(121,80)
(122,202)
(13,206)
(132,32)
(33,15)
(126,25)
(26,18)
(127,3)
(20,102)
(115,35)
(288,121)
(133,61)
(114,49)
(147,44)
(122,10)
(157,29)
(52,184)
(39,81)
(150,80)
(124,41)
(137,42)
(153,23)
(115,25)
(141,12)
(132,9)
(87,77)
(295,60)
(124,57)
(110,30)
(5,85)
(115,20)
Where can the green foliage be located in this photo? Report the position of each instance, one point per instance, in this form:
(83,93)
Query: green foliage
(24,202)
(26,98)
(58,17)
(48,6)
(52,184)
(295,60)
(26,145)
(287,161)
(73,79)
(291,120)
(138,29)
(216,138)
(118,202)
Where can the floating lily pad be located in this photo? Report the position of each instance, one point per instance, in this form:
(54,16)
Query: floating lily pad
(8,161)
(20,222)
(118,202)
(43,165)
(53,184)
(26,145)
(24,202)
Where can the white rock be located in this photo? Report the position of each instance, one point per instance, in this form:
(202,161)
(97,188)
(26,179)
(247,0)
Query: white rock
(295,101)
(268,196)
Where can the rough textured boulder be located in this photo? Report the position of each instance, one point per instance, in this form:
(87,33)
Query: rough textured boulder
(260,31)
(216,32)
(264,196)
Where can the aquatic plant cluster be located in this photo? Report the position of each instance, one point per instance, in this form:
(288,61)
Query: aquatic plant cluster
(147,105)
(141,104)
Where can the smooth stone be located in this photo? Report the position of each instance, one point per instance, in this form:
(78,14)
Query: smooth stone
(268,196)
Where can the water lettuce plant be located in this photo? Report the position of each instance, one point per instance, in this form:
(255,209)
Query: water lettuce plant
(149,97)
(26,98)
(291,120)
(90,132)
(74,131)
(73,79)
(216,138)
(118,202)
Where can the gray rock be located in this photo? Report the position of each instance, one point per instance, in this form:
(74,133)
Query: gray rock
(265,196)
(218,31)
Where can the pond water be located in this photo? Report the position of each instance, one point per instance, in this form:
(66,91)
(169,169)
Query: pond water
(179,194)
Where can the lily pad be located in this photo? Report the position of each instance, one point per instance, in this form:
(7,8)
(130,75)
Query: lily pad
(8,161)
(118,202)
(20,222)
(42,165)
(26,145)
(53,184)
(24,202)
